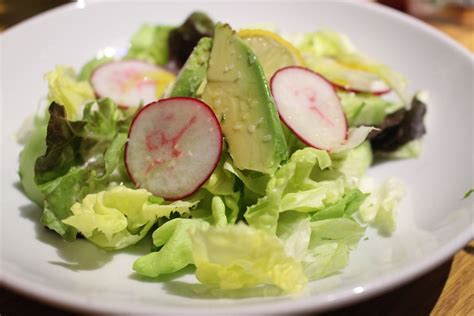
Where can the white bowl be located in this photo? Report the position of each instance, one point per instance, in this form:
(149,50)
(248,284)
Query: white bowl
(434,220)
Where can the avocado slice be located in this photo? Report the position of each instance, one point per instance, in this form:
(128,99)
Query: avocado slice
(238,92)
(194,70)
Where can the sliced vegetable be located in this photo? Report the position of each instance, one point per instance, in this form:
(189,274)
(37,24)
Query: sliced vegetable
(194,71)
(310,107)
(338,47)
(272,51)
(130,83)
(174,146)
(238,92)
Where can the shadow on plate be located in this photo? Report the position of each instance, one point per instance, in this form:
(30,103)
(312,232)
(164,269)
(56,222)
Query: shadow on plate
(190,269)
(77,255)
(203,291)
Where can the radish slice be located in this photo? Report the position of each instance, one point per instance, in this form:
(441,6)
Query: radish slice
(310,107)
(174,146)
(130,82)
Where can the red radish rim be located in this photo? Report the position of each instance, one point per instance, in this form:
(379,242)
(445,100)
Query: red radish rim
(283,119)
(214,117)
(98,96)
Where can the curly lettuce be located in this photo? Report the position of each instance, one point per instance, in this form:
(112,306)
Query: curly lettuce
(119,217)
(81,157)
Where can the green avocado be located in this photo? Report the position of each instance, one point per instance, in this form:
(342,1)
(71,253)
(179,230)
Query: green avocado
(238,92)
(194,70)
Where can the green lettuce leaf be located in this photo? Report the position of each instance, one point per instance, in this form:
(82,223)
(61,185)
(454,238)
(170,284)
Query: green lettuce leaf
(150,43)
(67,90)
(412,149)
(365,109)
(291,188)
(253,180)
(256,259)
(82,157)
(329,246)
(176,248)
(119,217)
(345,207)
(322,241)
(62,146)
(222,183)
(353,164)
(294,230)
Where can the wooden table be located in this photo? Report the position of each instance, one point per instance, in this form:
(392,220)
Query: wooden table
(447,290)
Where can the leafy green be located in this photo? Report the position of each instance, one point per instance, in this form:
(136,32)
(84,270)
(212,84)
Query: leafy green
(253,180)
(258,258)
(329,246)
(379,209)
(185,37)
(321,241)
(400,127)
(62,146)
(82,157)
(365,109)
(412,149)
(150,43)
(468,193)
(345,207)
(352,163)
(222,183)
(66,89)
(294,230)
(291,188)
(119,217)
(176,248)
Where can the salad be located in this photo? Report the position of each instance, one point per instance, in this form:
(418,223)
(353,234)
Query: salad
(241,152)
